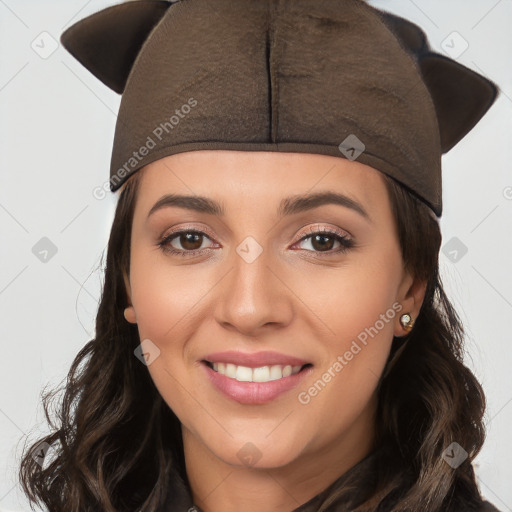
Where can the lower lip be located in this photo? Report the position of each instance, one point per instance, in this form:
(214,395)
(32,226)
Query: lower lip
(254,393)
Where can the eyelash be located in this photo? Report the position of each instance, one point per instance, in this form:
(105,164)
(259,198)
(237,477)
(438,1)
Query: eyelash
(345,242)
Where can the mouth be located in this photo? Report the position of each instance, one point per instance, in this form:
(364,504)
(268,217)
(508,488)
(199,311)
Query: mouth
(259,383)
(259,374)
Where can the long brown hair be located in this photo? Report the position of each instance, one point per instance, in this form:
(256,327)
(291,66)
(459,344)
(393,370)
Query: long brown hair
(116,443)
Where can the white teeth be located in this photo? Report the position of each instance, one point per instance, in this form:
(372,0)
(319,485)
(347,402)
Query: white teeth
(276,372)
(243,373)
(261,374)
(230,371)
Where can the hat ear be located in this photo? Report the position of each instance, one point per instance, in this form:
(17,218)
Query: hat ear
(461,96)
(108,42)
(410,35)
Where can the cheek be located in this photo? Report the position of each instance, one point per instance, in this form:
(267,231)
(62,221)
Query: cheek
(164,296)
(165,299)
(359,307)
(350,299)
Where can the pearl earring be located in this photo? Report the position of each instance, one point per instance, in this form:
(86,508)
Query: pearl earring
(406,321)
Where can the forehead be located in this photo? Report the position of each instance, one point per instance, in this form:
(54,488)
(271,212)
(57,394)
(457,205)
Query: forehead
(258,173)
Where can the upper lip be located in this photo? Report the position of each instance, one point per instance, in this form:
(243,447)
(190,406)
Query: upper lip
(255,360)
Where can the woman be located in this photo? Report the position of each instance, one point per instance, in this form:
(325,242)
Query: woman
(273,333)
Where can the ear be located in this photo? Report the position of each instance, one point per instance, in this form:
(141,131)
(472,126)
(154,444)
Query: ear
(461,96)
(108,42)
(411,294)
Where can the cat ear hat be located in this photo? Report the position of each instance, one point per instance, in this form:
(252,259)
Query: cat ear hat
(333,77)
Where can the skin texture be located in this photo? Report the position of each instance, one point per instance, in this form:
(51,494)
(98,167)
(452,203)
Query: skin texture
(297,297)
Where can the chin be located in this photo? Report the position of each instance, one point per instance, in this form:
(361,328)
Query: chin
(259,451)
(259,459)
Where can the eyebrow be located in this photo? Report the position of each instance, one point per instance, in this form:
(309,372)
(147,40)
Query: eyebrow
(288,206)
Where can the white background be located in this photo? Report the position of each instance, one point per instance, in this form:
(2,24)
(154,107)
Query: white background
(57,124)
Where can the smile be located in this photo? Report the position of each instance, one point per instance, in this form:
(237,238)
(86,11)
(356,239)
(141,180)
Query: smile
(260,374)
(254,379)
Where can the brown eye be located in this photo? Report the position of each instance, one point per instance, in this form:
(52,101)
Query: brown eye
(183,243)
(323,241)
(190,241)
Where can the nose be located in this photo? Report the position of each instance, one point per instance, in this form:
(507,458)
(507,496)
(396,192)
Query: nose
(254,294)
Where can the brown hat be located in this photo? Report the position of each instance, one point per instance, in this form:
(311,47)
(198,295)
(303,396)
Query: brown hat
(334,77)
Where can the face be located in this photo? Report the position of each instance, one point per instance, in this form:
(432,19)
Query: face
(270,296)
